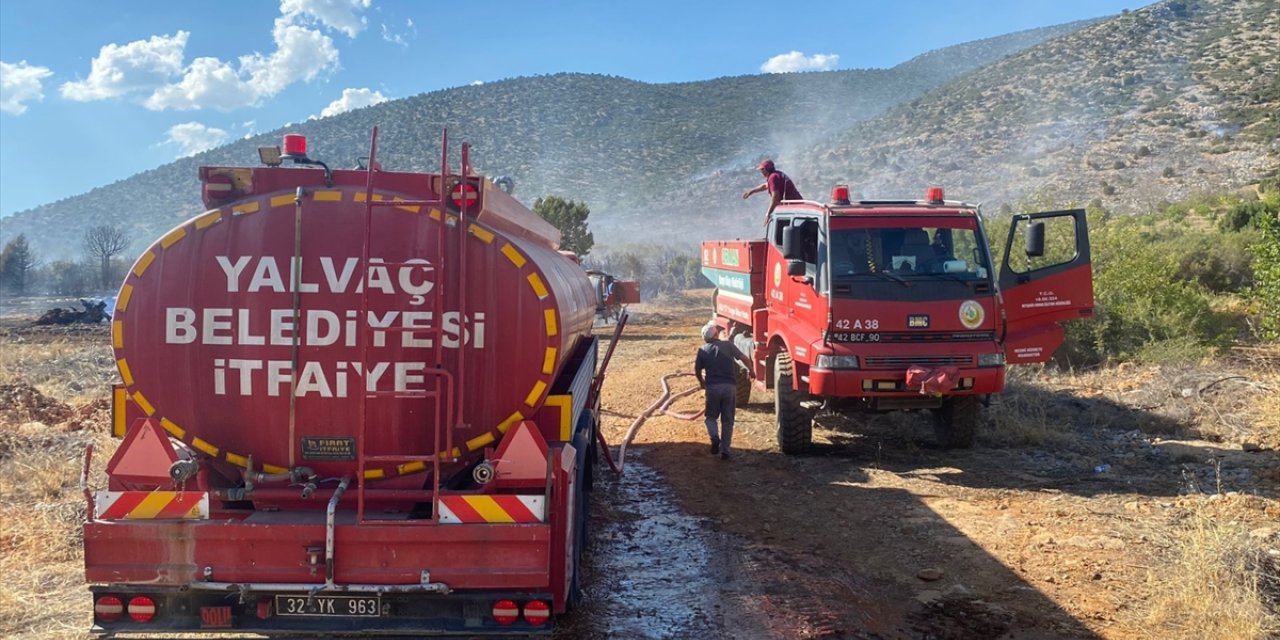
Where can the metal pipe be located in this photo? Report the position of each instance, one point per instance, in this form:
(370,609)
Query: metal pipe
(84,483)
(328,530)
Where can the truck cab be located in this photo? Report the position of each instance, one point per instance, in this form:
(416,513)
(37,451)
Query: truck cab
(897,304)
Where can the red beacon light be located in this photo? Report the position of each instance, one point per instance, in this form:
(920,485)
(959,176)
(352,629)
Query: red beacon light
(934,195)
(840,194)
(295,145)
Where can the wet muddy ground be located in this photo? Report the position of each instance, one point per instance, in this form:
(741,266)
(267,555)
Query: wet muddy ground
(878,533)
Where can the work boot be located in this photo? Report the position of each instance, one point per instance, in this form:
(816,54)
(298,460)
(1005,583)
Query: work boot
(715,445)
(724,455)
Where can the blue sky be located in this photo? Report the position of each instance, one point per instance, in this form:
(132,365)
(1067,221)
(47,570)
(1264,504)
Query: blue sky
(92,92)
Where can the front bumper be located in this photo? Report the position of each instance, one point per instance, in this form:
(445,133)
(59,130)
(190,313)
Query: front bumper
(889,383)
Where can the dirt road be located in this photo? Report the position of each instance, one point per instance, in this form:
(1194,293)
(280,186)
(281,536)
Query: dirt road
(878,533)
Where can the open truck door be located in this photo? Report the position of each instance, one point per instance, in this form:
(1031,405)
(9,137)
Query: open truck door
(1046,278)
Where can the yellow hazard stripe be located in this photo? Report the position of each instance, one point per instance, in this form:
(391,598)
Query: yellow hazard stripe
(122,302)
(513,255)
(125,375)
(482,233)
(411,467)
(539,288)
(126,292)
(549,359)
(175,430)
(488,509)
(550,316)
(204,446)
(143,404)
(143,262)
(209,218)
(536,393)
(236,459)
(271,468)
(283,201)
(565,404)
(246,208)
(174,236)
(374,474)
(479,441)
(119,397)
(336,196)
(511,419)
(151,505)
(117,334)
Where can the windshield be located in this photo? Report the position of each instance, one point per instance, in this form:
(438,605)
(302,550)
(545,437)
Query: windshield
(908,253)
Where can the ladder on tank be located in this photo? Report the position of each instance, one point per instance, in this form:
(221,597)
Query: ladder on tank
(443,389)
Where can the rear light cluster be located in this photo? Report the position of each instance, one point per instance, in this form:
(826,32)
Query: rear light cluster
(508,612)
(112,609)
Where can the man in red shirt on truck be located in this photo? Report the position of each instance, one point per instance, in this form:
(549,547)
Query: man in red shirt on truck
(779,186)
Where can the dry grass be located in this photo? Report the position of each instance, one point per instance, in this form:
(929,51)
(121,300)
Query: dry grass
(1222,581)
(41,511)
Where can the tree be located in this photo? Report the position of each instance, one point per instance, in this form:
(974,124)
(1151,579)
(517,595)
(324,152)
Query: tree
(17,261)
(104,242)
(570,217)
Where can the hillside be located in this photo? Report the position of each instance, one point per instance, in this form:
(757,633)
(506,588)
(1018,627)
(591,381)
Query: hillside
(618,144)
(1155,105)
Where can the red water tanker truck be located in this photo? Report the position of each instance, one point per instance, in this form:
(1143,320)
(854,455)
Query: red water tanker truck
(895,304)
(353,402)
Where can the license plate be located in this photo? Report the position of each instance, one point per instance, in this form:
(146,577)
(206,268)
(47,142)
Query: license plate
(339,606)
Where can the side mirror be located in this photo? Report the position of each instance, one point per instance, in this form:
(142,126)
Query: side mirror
(795,267)
(1034,240)
(792,244)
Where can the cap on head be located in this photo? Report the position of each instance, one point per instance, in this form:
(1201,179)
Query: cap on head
(710,331)
(765,165)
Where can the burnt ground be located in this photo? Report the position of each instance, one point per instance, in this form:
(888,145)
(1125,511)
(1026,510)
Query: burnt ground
(880,534)
(876,534)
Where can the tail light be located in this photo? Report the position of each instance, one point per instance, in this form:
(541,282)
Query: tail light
(536,612)
(142,608)
(108,609)
(505,612)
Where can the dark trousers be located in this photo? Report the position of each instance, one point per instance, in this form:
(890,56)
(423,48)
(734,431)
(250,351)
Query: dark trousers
(720,405)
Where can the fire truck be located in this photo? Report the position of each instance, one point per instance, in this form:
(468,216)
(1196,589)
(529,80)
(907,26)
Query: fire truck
(882,305)
(353,401)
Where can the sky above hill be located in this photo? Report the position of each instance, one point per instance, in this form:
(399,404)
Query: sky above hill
(93,92)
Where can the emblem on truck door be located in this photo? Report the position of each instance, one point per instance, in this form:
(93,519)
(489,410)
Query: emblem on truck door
(777,274)
(971,314)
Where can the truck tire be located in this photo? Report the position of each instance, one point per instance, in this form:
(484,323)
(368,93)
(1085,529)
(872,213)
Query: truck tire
(742,378)
(956,422)
(795,423)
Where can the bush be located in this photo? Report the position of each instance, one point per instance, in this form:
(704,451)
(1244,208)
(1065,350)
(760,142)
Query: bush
(1266,279)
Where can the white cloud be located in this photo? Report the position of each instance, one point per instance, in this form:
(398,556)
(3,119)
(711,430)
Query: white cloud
(353,99)
(796,61)
(19,84)
(476,83)
(155,66)
(300,55)
(340,15)
(193,137)
(136,67)
(402,38)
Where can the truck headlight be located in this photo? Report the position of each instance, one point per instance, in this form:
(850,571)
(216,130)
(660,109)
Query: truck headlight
(836,362)
(990,359)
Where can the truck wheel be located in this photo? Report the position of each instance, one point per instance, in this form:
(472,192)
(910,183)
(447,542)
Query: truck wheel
(742,378)
(795,424)
(955,423)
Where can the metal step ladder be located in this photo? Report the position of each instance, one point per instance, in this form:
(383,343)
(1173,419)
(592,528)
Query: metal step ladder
(441,388)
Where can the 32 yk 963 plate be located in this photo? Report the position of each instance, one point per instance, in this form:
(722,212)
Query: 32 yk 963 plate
(337,606)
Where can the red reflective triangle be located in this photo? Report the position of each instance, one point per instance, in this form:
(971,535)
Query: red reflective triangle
(144,457)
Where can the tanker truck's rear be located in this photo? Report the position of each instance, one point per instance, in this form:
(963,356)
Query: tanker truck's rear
(353,401)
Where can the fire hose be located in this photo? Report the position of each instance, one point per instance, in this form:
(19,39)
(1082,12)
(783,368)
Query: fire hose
(661,406)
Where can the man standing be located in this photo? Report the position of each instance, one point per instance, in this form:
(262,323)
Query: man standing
(719,359)
(779,186)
